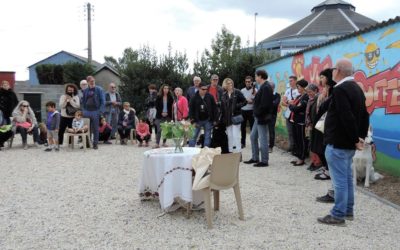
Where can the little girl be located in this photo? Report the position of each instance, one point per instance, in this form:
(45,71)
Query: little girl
(78,125)
(104,131)
(143,133)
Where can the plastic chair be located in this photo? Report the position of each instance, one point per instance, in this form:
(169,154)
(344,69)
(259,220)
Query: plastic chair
(132,136)
(85,136)
(224,174)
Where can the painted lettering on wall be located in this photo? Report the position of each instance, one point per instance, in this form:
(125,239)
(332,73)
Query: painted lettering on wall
(310,72)
(381,90)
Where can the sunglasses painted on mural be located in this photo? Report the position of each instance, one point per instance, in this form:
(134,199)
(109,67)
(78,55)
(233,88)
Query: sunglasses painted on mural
(370,55)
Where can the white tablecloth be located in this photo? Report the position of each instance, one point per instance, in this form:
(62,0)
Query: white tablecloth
(167,175)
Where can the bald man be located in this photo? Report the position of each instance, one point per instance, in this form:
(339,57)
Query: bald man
(113,106)
(93,106)
(346,126)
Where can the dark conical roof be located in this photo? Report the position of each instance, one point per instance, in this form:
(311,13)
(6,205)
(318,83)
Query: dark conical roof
(334,4)
(333,17)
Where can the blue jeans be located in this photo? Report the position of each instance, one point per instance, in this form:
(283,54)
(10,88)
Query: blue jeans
(112,119)
(339,161)
(207,126)
(94,117)
(259,141)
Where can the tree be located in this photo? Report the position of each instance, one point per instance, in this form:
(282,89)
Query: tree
(70,72)
(201,67)
(227,58)
(50,74)
(139,68)
(74,72)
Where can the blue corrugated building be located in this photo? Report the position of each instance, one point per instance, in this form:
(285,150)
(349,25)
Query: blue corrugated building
(61,57)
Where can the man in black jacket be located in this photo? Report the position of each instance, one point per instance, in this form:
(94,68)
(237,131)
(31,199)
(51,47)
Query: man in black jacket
(203,114)
(263,107)
(271,125)
(346,124)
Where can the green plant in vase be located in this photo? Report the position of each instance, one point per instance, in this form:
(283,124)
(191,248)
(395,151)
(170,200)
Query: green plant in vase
(178,132)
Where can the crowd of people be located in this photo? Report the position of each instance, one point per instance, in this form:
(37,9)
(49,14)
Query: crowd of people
(327,121)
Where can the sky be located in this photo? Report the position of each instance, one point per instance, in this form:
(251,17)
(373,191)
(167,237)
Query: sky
(33,30)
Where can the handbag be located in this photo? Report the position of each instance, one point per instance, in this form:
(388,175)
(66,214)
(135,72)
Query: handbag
(237,119)
(70,110)
(320,126)
(23,124)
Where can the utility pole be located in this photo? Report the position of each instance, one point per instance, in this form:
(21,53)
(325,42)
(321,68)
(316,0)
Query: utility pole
(89,20)
(255,32)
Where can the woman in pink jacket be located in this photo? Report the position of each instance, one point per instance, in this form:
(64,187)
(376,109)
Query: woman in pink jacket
(180,106)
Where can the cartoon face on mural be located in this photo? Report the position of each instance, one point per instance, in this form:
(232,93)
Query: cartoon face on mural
(372,54)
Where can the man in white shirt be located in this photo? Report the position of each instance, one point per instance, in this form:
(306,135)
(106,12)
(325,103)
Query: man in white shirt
(249,93)
(290,95)
(113,106)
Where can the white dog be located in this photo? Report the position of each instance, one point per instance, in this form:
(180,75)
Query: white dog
(363,163)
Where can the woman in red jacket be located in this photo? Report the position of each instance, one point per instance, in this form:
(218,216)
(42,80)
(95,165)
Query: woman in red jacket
(180,106)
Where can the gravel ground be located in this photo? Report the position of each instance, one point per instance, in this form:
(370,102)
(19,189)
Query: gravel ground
(88,200)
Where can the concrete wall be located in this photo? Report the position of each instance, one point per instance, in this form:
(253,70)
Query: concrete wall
(376,58)
(47,92)
(105,77)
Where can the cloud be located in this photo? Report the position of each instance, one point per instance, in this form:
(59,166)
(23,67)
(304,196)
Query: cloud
(189,25)
(290,9)
(294,9)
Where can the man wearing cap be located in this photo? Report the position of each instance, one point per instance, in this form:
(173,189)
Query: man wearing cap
(193,89)
(263,108)
(203,114)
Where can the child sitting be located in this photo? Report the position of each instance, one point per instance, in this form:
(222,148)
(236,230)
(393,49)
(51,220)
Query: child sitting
(43,134)
(104,131)
(143,133)
(52,124)
(78,126)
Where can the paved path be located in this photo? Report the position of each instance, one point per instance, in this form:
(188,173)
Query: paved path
(89,201)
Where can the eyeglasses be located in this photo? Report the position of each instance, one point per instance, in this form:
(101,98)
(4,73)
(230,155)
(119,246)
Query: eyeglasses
(113,87)
(247,81)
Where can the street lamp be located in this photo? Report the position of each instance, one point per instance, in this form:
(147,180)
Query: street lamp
(255,32)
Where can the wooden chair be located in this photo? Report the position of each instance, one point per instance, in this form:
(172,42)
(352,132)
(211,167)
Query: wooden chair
(224,174)
(85,136)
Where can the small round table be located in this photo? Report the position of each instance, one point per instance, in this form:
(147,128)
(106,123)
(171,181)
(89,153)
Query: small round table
(167,175)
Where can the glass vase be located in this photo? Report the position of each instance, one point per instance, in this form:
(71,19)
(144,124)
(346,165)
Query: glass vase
(178,145)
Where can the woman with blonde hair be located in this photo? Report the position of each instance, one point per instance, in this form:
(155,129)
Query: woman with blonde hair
(232,102)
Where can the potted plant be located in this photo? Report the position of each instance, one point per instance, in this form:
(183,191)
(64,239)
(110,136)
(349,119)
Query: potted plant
(178,132)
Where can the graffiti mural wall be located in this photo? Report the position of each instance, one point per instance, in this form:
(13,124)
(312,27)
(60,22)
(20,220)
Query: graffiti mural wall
(376,58)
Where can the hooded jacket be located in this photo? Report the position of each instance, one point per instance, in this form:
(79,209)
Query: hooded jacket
(18,116)
(8,101)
